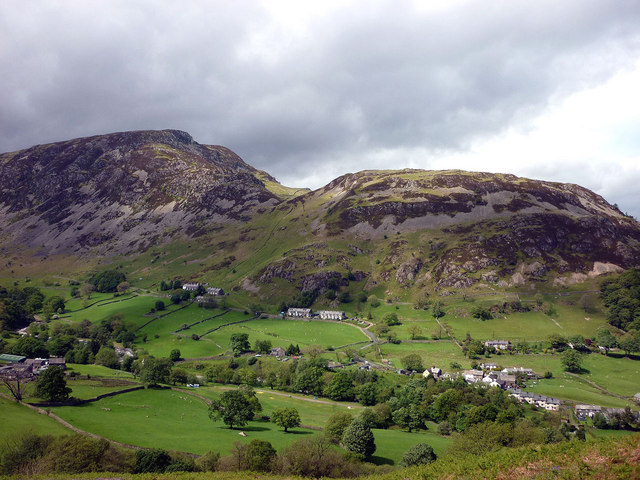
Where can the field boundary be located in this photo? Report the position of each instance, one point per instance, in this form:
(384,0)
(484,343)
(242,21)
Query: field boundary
(75,402)
(66,424)
(230,323)
(201,321)
(157,317)
(106,302)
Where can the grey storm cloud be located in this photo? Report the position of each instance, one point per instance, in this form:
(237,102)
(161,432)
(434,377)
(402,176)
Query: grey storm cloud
(310,102)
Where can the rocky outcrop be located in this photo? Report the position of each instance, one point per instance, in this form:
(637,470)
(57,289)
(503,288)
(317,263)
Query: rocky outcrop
(284,269)
(317,282)
(406,272)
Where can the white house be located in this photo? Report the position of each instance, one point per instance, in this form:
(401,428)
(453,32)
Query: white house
(489,366)
(472,376)
(583,411)
(513,370)
(498,344)
(215,291)
(331,315)
(190,287)
(434,371)
(299,312)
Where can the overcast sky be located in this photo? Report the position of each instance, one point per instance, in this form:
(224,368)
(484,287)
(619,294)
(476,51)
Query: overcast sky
(311,90)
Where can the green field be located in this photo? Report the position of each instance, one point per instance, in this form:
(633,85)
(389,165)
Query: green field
(439,354)
(391,444)
(18,419)
(280,332)
(574,390)
(179,421)
(312,413)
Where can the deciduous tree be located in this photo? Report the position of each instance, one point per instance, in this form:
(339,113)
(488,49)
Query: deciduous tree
(239,343)
(235,407)
(286,418)
(358,438)
(52,385)
(572,361)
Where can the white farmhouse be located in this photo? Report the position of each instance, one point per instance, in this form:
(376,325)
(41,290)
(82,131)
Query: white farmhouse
(330,315)
(299,312)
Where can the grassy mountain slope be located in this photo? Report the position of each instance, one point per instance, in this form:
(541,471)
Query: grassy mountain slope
(163,206)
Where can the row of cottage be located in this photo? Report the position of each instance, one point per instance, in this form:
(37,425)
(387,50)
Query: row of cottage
(213,291)
(540,401)
(308,313)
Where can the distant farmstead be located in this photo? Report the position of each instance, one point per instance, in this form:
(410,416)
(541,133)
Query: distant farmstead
(299,312)
(584,411)
(331,315)
(498,344)
(214,291)
(278,352)
(190,287)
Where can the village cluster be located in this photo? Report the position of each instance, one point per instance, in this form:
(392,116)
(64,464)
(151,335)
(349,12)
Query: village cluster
(26,369)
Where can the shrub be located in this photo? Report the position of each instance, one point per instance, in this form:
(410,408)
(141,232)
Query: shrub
(152,461)
(182,465)
(420,454)
(208,462)
(391,319)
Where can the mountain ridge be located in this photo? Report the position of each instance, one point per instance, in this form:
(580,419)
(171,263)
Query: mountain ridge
(128,194)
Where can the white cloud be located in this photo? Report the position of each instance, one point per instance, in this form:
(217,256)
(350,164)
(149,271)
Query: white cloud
(312,90)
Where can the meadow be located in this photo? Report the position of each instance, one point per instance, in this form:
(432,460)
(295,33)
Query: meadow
(18,419)
(176,420)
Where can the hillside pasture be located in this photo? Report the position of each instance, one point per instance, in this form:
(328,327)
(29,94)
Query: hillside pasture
(391,444)
(312,412)
(18,419)
(440,353)
(525,326)
(573,390)
(178,421)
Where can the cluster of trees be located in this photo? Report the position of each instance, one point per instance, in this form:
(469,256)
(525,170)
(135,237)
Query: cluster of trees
(108,281)
(17,306)
(30,454)
(170,285)
(63,340)
(237,407)
(308,375)
(629,343)
(239,343)
(622,298)
(625,420)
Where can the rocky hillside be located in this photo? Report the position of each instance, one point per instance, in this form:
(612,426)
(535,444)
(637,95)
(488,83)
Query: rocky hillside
(123,192)
(463,228)
(397,233)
